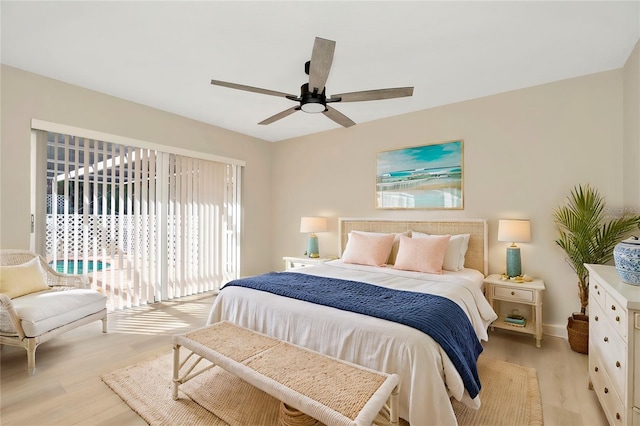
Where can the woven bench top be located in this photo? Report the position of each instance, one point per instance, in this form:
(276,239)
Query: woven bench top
(342,389)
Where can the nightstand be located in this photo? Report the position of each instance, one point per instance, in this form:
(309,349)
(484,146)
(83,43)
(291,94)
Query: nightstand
(291,262)
(525,293)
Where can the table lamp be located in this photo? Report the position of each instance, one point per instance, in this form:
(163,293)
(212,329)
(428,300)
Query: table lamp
(312,225)
(514,231)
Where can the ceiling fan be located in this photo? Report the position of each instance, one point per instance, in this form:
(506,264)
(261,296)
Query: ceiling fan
(313,97)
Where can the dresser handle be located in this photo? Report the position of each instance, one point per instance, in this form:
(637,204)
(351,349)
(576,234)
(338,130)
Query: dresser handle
(617,318)
(606,339)
(606,390)
(618,364)
(595,286)
(595,368)
(598,292)
(513,293)
(617,416)
(596,318)
(613,307)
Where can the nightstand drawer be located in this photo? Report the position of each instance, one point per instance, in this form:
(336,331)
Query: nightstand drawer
(291,262)
(521,295)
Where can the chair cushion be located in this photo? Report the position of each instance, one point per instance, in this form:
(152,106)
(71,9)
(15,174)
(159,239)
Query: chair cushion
(18,280)
(46,310)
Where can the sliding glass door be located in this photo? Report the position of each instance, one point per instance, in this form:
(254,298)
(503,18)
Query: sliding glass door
(141,224)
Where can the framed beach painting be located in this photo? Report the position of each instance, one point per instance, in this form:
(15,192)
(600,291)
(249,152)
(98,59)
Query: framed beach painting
(421,177)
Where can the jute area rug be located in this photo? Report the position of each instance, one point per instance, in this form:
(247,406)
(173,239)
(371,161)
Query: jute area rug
(510,396)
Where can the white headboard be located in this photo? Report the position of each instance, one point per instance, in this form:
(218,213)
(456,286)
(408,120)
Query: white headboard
(477,256)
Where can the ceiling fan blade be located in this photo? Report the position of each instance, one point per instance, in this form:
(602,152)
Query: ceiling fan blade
(250,88)
(280,115)
(338,117)
(374,95)
(321,59)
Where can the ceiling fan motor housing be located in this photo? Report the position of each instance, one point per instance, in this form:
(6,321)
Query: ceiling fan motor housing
(312,102)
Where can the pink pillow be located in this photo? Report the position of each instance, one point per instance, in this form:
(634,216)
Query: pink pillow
(368,249)
(456,251)
(424,254)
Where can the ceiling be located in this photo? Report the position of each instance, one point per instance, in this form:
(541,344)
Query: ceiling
(164,54)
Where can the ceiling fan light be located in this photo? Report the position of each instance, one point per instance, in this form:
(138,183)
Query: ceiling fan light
(313,107)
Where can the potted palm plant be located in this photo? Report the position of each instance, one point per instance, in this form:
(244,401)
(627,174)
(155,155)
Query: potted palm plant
(588,235)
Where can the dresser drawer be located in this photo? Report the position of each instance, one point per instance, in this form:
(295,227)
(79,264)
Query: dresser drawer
(597,290)
(611,349)
(603,386)
(521,295)
(617,315)
(635,355)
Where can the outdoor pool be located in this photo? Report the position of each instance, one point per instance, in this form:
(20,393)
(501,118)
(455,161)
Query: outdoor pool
(90,266)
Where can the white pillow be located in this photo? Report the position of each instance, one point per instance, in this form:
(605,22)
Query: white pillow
(18,280)
(424,254)
(457,249)
(366,248)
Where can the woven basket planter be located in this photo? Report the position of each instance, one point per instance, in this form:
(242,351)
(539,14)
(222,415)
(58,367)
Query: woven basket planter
(578,332)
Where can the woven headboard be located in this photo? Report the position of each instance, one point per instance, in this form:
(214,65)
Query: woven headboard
(477,256)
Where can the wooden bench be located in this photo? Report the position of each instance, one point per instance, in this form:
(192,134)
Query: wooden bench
(332,391)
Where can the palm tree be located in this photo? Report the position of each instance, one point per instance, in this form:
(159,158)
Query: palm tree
(587,236)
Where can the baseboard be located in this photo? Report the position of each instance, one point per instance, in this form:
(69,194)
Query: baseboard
(555,330)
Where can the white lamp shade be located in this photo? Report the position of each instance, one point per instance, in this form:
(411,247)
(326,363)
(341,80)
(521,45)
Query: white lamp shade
(514,231)
(313,224)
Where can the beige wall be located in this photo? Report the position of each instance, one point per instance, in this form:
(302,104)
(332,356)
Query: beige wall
(523,152)
(26,96)
(631,129)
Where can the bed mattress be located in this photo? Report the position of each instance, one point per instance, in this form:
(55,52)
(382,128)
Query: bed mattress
(428,379)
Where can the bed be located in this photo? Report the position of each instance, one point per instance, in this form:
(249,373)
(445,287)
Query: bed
(428,376)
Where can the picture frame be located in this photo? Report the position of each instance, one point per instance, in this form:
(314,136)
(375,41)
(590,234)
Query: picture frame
(421,177)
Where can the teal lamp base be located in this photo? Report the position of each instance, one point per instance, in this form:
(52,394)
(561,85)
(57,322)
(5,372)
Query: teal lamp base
(312,246)
(514,264)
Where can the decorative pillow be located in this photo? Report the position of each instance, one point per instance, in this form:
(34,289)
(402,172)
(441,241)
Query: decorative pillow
(394,247)
(424,254)
(463,250)
(366,248)
(18,280)
(456,250)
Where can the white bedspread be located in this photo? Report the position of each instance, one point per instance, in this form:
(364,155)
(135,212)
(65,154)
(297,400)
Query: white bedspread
(427,377)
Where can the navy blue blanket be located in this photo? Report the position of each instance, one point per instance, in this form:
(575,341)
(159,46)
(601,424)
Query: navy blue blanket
(436,316)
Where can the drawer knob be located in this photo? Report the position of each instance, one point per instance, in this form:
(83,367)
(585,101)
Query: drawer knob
(617,318)
(613,307)
(606,339)
(513,293)
(596,318)
(598,292)
(595,369)
(617,416)
(595,286)
(618,364)
(606,390)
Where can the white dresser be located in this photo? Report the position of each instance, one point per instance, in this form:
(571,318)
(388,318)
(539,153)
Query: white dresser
(614,344)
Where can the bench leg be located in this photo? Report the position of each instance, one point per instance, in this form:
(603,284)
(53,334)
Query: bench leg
(104,324)
(176,371)
(393,409)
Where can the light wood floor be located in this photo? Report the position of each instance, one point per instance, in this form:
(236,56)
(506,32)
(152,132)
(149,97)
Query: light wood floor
(67,390)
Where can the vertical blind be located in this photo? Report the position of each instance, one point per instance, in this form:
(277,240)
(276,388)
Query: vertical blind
(143,225)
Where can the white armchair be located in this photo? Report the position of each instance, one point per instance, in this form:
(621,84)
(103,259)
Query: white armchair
(37,303)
